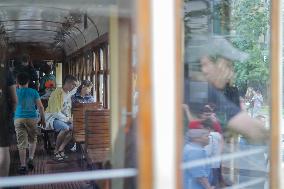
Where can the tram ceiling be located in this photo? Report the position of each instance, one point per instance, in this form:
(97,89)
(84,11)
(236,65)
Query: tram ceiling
(22,39)
(38,33)
(28,35)
(43,44)
(62,26)
(38,24)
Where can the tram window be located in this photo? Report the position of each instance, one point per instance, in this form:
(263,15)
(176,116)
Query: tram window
(226,78)
(94,61)
(95,88)
(77,68)
(97,61)
(88,66)
(101,88)
(108,92)
(64,32)
(101,59)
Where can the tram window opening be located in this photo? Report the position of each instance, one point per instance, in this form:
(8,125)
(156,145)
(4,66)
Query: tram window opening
(101,59)
(94,61)
(101,88)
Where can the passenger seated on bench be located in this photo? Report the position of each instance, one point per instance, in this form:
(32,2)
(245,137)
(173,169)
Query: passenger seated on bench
(83,94)
(58,115)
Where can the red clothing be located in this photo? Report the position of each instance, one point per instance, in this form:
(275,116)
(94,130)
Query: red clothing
(217,127)
(196,124)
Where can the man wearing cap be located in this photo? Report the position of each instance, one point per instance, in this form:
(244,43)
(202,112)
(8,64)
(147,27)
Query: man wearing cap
(198,177)
(215,58)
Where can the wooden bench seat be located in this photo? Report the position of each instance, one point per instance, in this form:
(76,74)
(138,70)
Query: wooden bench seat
(78,112)
(98,136)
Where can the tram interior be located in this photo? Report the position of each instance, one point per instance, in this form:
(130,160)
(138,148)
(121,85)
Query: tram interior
(74,38)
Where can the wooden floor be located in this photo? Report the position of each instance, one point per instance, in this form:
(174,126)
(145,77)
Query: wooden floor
(45,164)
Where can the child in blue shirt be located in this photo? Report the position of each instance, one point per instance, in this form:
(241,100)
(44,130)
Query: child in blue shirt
(25,121)
(198,177)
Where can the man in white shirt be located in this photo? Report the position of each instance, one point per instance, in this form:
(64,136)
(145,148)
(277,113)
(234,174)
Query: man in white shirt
(58,115)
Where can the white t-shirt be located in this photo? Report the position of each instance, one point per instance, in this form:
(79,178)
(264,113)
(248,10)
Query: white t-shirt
(214,148)
(67,103)
(66,109)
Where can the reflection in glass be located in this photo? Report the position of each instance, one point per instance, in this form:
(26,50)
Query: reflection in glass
(225,92)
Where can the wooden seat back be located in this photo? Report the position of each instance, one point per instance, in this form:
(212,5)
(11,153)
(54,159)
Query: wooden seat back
(78,112)
(98,135)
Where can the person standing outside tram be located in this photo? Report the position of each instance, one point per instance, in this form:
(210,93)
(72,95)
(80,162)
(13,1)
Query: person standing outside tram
(248,99)
(8,102)
(257,101)
(198,177)
(216,57)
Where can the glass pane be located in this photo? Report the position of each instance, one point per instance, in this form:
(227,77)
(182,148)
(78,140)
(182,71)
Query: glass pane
(94,61)
(101,89)
(226,93)
(101,59)
(108,94)
(80,134)
(95,88)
